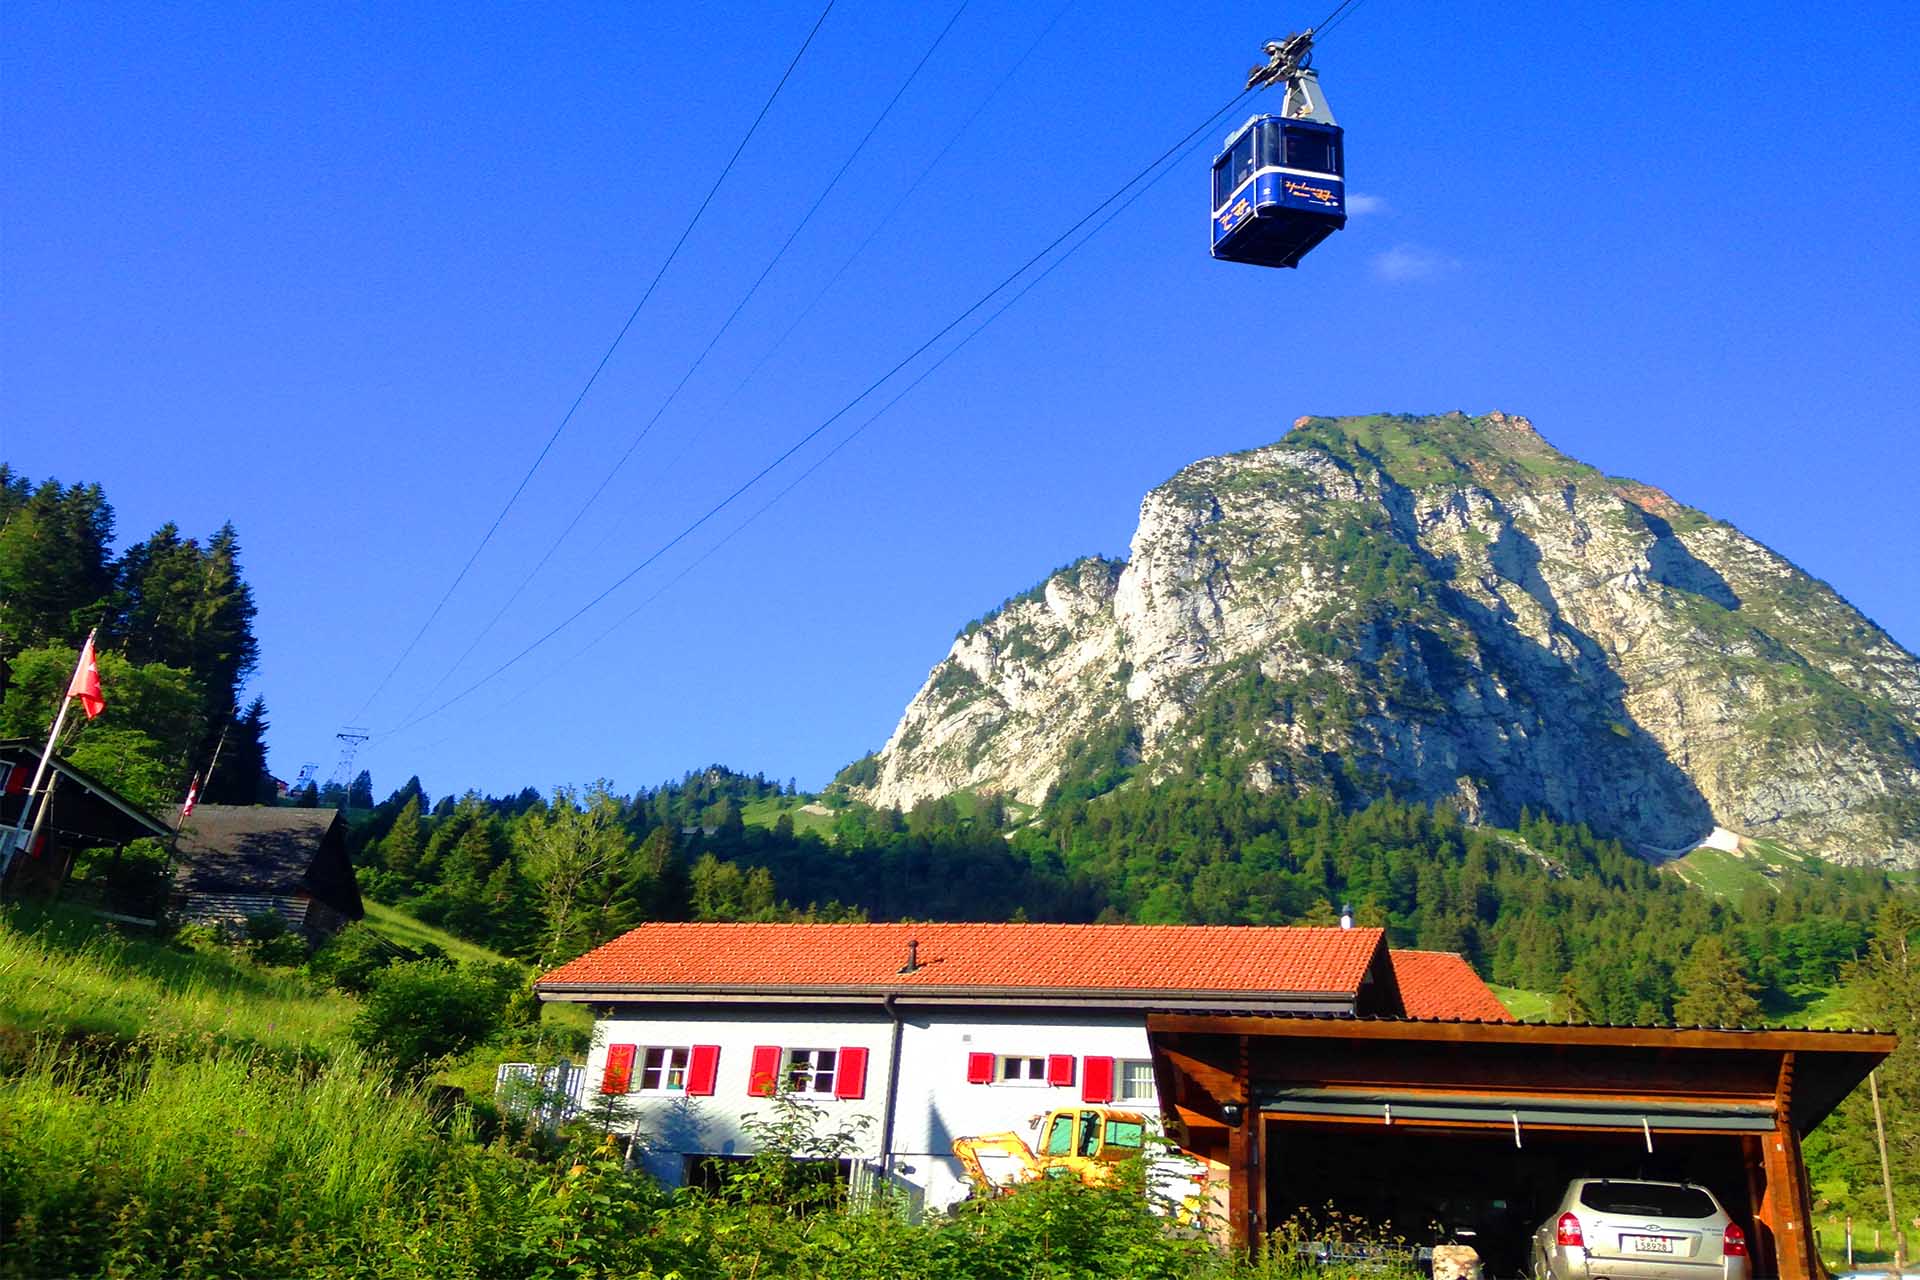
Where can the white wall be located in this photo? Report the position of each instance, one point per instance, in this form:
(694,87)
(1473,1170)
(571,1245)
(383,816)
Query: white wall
(935,1102)
(937,1105)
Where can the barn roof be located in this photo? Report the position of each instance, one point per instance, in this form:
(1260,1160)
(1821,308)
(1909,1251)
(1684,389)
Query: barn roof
(267,850)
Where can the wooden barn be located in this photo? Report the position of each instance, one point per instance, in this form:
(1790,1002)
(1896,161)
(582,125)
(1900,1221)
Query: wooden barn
(236,861)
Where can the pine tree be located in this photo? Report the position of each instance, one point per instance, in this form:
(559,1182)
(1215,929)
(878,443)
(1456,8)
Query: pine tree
(360,793)
(56,579)
(240,776)
(402,846)
(1715,990)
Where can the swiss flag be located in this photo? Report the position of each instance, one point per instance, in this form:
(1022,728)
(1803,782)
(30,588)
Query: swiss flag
(193,794)
(86,683)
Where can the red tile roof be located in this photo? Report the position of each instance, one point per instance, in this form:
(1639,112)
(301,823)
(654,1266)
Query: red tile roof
(1002,957)
(1439,984)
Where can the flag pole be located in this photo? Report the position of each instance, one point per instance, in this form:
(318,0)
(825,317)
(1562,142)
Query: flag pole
(201,781)
(40,773)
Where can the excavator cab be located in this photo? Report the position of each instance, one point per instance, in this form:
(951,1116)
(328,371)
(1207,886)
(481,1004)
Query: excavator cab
(1100,1134)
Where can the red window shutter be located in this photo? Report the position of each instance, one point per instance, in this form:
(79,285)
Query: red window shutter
(1060,1070)
(850,1074)
(618,1076)
(1096,1084)
(764,1071)
(703,1069)
(979,1068)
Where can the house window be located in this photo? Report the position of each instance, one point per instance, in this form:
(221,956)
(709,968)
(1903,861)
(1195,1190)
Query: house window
(1022,1071)
(1136,1080)
(664,1070)
(811,1070)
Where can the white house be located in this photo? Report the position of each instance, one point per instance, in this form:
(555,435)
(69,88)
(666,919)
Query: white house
(923,1033)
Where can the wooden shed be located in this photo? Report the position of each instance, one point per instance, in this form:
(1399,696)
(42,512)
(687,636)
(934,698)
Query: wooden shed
(80,812)
(1414,1121)
(236,861)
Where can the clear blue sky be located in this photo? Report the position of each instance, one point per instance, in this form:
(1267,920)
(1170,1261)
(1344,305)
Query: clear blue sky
(334,273)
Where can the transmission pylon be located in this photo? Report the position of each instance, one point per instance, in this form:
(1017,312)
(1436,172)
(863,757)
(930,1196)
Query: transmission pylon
(350,737)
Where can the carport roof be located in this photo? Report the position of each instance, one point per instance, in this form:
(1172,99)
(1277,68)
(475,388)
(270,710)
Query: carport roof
(1811,1071)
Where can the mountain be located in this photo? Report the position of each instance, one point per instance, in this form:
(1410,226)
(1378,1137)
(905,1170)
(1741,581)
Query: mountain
(1444,608)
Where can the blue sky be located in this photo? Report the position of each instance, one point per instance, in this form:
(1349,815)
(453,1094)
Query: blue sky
(335,274)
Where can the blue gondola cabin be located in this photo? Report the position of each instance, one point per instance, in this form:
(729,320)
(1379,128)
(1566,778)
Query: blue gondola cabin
(1277,191)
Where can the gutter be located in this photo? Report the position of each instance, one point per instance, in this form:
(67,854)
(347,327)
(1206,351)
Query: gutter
(1121,998)
(893,1086)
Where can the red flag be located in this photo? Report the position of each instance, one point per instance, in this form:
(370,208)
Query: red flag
(86,683)
(193,794)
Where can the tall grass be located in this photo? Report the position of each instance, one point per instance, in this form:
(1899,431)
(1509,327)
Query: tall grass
(232,1165)
(63,974)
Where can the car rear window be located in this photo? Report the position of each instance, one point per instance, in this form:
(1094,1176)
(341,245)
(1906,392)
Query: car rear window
(1653,1199)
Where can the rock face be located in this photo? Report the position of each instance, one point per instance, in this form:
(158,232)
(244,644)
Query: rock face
(1447,607)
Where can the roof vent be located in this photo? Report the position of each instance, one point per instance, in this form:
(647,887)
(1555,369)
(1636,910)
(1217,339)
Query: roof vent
(913,956)
(1346,915)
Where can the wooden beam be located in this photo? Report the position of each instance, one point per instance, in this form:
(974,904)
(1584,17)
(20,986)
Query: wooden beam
(1503,1125)
(1786,1210)
(1222,1084)
(1532,1033)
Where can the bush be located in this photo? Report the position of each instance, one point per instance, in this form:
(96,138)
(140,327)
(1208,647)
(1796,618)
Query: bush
(350,959)
(422,1012)
(269,941)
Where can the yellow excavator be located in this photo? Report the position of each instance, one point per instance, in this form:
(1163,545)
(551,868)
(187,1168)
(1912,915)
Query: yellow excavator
(1088,1143)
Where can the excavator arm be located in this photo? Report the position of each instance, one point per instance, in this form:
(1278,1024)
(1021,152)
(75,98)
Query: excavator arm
(1001,1147)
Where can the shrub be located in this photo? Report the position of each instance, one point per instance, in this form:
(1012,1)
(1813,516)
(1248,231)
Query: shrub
(419,1013)
(269,941)
(350,959)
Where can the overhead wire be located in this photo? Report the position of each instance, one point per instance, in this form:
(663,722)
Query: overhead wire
(886,219)
(859,430)
(816,431)
(594,377)
(1327,23)
(700,359)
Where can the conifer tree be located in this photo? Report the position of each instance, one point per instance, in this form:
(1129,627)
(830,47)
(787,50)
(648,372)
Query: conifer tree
(1715,990)
(56,577)
(403,843)
(240,776)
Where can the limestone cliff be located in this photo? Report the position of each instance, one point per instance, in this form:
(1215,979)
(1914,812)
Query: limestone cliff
(1448,607)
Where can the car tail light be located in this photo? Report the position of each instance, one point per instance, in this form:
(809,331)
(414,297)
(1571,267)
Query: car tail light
(1568,1232)
(1735,1243)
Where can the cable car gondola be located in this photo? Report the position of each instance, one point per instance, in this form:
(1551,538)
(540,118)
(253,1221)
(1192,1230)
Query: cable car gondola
(1278,188)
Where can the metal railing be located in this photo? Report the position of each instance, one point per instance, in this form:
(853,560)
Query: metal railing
(550,1094)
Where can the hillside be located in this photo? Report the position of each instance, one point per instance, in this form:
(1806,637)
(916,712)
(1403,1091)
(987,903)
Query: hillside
(1451,609)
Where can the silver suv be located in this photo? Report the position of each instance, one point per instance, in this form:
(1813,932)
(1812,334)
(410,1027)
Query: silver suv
(1621,1229)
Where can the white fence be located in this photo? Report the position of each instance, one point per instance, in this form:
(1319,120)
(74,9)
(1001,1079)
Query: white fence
(549,1094)
(871,1186)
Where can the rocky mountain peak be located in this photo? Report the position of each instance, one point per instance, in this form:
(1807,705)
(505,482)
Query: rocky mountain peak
(1450,608)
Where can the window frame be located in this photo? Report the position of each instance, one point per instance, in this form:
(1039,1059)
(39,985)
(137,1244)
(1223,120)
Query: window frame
(1329,144)
(811,1071)
(1031,1061)
(643,1065)
(1121,1080)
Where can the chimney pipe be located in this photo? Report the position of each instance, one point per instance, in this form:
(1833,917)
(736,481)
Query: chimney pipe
(913,956)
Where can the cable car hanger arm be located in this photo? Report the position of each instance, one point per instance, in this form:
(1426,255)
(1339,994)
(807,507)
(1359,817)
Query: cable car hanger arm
(1290,62)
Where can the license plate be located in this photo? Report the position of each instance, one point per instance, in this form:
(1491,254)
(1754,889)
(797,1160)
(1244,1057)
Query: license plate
(1652,1244)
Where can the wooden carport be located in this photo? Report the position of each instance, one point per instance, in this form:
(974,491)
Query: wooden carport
(1237,1089)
